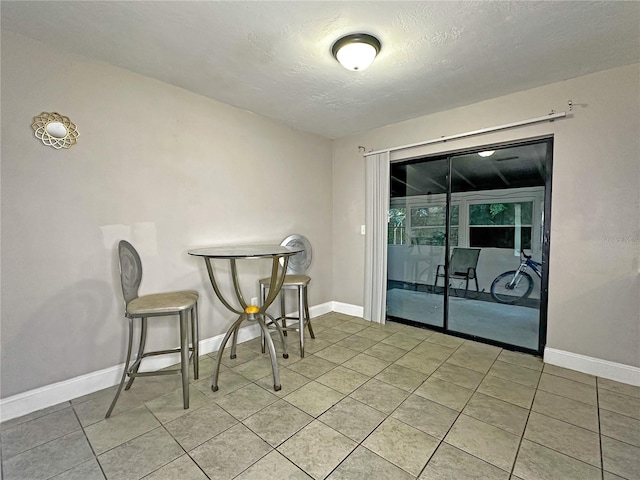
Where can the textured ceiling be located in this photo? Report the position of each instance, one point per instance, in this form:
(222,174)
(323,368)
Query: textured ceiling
(273,58)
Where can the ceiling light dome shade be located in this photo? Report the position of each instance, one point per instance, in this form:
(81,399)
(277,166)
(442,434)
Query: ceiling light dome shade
(486,153)
(356,52)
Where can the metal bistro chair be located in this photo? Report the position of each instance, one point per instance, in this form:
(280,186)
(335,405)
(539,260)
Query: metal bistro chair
(155,305)
(462,266)
(295,279)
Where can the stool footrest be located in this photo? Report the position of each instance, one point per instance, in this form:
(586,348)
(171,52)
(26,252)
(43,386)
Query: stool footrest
(295,327)
(151,374)
(132,369)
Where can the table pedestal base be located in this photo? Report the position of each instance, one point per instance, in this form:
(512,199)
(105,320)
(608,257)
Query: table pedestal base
(233,330)
(252,313)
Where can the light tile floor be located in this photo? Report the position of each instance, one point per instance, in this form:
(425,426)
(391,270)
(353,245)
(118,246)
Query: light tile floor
(367,402)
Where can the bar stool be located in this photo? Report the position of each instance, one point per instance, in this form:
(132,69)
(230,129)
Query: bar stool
(295,279)
(155,305)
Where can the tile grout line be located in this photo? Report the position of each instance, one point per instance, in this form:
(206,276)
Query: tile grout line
(345,396)
(410,393)
(275,449)
(95,456)
(386,416)
(161,424)
(272,448)
(558,451)
(461,412)
(441,441)
(599,430)
(526,423)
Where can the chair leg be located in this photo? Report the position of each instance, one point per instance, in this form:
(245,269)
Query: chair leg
(124,370)
(184,356)
(263,296)
(139,355)
(438,275)
(306,311)
(195,340)
(272,321)
(283,314)
(301,315)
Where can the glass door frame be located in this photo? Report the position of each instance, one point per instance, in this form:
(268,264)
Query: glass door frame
(545,246)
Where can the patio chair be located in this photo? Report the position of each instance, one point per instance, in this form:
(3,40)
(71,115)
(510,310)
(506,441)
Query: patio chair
(462,266)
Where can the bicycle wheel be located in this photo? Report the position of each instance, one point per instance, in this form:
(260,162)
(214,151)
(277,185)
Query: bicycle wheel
(503,292)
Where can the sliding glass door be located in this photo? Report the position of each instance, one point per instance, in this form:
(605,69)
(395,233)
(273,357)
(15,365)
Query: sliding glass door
(417,241)
(456,225)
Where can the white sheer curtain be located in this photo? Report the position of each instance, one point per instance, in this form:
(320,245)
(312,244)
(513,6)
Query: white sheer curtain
(376,218)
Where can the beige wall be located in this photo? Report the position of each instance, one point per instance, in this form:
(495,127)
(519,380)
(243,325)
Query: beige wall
(165,168)
(594,281)
(171,170)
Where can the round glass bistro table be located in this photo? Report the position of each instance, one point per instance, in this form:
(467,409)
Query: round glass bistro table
(279,256)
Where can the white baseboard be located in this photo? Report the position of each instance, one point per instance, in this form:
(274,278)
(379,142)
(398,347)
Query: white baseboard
(323,308)
(49,395)
(55,393)
(348,309)
(593,366)
(338,307)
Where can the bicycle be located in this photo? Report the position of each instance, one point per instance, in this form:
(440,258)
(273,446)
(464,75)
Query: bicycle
(515,285)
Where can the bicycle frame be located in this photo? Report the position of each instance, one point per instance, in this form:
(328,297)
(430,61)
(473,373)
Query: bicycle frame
(526,263)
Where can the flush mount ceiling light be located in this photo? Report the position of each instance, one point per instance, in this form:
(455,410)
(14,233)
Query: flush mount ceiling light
(487,153)
(357,51)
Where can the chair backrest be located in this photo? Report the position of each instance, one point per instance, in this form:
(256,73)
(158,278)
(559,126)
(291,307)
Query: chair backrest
(130,270)
(462,259)
(298,263)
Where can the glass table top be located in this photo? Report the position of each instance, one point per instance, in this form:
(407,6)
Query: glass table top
(245,251)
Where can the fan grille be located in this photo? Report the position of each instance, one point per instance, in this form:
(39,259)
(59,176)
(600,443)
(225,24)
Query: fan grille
(298,263)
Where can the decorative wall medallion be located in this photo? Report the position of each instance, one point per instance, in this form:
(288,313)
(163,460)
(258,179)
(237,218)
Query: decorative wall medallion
(55,130)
